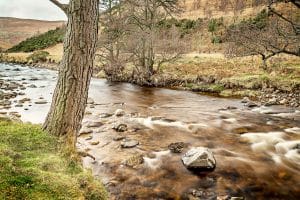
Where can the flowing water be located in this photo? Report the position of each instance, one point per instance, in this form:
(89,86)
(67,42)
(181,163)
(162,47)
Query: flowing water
(257,150)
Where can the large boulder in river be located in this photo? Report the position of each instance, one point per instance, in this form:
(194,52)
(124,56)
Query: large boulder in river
(199,158)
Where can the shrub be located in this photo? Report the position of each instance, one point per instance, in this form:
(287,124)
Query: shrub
(214,24)
(186,26)
(38,56)
(260,21)
(216,39)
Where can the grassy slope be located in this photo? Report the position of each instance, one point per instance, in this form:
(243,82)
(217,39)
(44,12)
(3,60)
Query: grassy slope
(14,30)
(41,41)
(33,167)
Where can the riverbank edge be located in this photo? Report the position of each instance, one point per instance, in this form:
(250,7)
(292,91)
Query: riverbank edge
(260,90)
(41,170)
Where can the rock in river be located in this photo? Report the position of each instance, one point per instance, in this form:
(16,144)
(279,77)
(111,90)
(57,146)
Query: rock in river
(41,102)
(84,131)
(32,86)
(177,147)
(251,104)
(105,115)
(94,143)
(94,124)
(134,161)
(199,158)
(245,100)
(119,113)
(120,127)
(127,143)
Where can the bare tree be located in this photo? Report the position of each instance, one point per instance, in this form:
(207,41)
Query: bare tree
(75,70)
(145,35)
(115,27)
(269,34)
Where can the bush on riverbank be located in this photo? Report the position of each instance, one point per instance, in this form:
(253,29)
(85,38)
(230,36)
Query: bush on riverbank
(38,56)
(32,166)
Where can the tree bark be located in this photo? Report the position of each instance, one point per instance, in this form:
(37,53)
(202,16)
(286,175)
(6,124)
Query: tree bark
(75,71)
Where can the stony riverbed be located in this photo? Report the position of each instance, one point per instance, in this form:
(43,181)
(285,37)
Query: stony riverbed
(134,138)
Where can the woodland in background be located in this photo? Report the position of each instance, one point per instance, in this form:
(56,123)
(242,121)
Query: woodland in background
(144,35)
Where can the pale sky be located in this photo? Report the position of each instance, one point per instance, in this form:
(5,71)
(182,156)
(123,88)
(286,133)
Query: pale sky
(31,9)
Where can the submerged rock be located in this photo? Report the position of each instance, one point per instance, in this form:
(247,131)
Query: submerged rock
(41,102)
(89,138)
(119,137)
(203,194)
(84,131)
(94,143)
(177,147)
(127,143)
(134,161)
(251,104)
(94,124)
(24,100)
(32,86)
(199,158)
(105,115)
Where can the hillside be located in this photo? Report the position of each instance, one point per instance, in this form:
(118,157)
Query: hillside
(228,9)
(13,30)
(41,41)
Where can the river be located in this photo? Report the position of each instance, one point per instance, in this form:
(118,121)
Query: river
(257,149)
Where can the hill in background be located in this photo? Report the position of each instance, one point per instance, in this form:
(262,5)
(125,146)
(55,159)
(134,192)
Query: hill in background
(13,30)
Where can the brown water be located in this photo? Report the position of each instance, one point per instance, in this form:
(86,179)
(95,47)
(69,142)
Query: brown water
(257,150)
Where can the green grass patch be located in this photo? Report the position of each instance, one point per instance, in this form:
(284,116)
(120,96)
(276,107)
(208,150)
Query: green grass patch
(246,81)
(33,166)
(213,88)
(39,42)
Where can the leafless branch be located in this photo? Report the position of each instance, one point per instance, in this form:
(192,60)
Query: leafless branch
(63,7)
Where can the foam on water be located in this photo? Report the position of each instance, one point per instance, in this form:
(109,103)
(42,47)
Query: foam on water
(230,120)
(150,123)
(155,162)
(268,142)
(295,130)
(262,141)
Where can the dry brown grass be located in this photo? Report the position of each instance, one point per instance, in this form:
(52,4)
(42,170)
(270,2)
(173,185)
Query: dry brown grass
(193,65)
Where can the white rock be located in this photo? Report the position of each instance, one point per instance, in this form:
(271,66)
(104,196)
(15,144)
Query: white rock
(127,143)
(245,100)
(119,112)
(199,158)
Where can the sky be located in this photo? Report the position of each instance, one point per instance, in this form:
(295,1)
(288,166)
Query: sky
(31,9)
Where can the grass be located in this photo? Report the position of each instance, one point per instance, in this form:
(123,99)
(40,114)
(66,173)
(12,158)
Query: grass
(33,166)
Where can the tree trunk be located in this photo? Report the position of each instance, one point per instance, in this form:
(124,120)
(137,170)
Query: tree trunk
(75,71)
